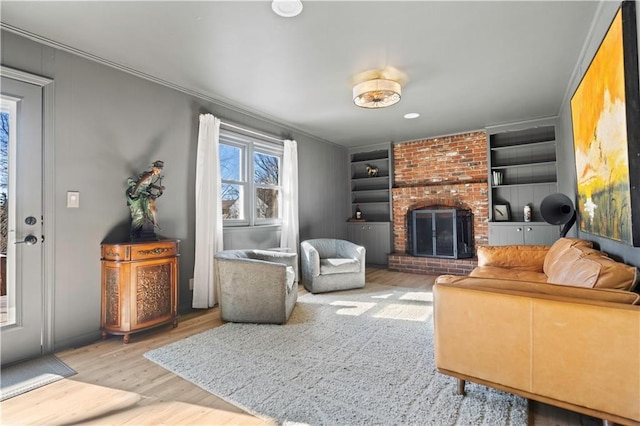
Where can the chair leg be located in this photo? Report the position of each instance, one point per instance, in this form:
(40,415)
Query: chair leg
(461,391)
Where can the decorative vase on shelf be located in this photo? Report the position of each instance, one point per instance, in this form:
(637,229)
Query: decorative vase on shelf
(358,215)
(527,213)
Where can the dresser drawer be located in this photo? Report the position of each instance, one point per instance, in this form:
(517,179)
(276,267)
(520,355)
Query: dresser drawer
(140,251)
(154,250)
(118,252)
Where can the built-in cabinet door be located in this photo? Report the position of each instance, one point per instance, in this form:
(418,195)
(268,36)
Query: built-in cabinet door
(373,236)
(501,234)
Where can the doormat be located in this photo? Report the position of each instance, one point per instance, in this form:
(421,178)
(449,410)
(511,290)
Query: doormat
(29,375)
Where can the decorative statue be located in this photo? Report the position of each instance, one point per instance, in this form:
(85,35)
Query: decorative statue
(141,199)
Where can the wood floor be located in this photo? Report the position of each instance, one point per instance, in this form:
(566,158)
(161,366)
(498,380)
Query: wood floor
(116,385)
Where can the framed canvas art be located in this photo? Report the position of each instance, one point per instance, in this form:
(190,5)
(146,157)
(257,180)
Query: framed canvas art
(605,114)
(501,212)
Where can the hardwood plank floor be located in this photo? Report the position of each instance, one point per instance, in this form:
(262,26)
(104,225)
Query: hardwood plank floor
(116,385)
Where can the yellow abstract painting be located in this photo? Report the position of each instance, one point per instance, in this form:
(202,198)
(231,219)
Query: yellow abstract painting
(598,111)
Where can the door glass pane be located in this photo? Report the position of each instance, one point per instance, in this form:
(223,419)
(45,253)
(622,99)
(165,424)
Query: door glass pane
(423,236)
(444,234)
(8,112)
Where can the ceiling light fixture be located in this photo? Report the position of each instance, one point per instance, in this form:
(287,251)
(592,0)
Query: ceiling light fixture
(411,115)
(377,93)
(287,8)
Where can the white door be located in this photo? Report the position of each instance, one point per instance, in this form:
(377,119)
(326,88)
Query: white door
(21,166)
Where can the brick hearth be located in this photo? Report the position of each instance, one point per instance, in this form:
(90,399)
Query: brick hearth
(448,171)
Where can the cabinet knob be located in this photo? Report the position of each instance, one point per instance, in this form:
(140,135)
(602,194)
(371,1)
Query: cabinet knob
(529,229)
(519,229)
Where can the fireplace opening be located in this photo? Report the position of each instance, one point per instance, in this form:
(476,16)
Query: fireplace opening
(441,232)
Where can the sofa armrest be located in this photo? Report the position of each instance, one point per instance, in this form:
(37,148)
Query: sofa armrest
(310,261)
(520,257)
(252,278)
(288,259)
(351,250)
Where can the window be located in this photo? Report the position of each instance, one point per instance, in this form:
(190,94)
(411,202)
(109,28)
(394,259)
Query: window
(251,181)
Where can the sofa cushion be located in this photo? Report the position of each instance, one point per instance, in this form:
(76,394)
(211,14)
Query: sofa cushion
(338,266)
(560,247)
(524,287)
(519,257)
(582,266)
(613,275)
(508,274)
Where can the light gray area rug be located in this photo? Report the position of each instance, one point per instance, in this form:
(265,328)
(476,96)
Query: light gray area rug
(359,357)
(29,375)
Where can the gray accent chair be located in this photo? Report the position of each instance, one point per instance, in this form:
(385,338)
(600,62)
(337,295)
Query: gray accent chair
(330,265)
(256,286)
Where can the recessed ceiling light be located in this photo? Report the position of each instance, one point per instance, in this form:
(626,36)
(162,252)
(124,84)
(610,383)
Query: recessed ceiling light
(287,8)
(411,115)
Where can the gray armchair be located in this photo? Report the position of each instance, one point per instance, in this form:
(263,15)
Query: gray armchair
(256,286)
(329,265)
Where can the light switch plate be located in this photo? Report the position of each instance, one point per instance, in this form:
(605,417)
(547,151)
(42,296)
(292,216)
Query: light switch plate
(73,199)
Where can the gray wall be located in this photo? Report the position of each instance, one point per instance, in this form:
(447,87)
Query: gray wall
(110,125)
(566,160)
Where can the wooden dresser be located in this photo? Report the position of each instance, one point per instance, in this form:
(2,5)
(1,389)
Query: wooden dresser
(139,286)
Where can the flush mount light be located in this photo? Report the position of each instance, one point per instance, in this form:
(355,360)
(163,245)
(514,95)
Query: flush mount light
(377,93)
(411,115)
(287,8)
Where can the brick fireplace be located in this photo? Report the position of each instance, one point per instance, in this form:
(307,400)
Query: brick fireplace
(448,171)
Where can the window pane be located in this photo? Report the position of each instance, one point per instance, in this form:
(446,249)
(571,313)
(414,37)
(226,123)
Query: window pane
(267,205)
(266,169)
(232,202)
(230,162)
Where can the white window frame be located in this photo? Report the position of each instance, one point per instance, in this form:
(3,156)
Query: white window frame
(249,146)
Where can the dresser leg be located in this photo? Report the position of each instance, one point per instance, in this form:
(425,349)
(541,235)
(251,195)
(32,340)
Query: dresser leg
(125,338)
(104,335)
(175,322)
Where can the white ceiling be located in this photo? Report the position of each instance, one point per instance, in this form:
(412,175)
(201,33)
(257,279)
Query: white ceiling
(465,65)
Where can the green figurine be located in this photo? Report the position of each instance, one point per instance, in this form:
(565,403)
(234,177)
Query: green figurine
(141,199)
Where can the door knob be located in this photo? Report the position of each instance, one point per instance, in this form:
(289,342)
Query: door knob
(28,240)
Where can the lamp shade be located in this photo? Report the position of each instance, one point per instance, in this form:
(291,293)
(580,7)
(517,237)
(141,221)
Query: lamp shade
(377,93)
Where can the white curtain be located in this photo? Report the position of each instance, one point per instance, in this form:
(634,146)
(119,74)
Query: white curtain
(208,212)
(289,236)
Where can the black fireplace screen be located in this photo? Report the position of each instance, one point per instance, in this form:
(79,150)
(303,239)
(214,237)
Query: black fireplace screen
(441,233)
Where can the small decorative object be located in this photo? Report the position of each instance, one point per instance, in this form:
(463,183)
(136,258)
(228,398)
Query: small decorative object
(141,199)
(501,212)
(497,178)
(372,171)
(527,213)
(358,215)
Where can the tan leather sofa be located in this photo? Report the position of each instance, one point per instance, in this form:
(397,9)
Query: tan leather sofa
(557,324)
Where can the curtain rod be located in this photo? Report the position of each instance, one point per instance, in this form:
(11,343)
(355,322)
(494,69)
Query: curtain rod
(242,129)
